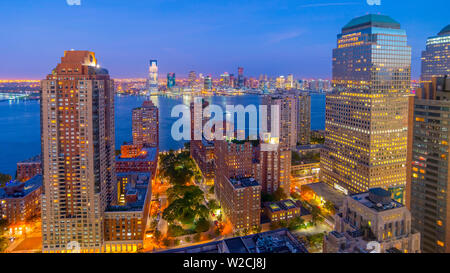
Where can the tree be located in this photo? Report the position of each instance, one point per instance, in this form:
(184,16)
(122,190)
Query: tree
(188,208)
(167,241)
(274,225)
(3,243)
(213,205)
(175,231)
(187,145)
(202,225)
(315,214)
(196,237)
(157,234)
(279,194)
(4,178)
(296,195)
(265,197)
(329,206)
(256,229)
(295,223)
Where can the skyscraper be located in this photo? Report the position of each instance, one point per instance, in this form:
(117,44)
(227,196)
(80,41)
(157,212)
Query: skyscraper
(191,79)
(290,82)
(240,78)
(77,132)
(436,57)
(153,77)
(208,83)
(145,125)
(225,80)
(366,116)
(429,182)
(303,118)
(170,80)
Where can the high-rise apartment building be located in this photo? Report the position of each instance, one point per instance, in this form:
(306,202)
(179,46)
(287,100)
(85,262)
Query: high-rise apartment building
(272,170)
(273,167)
(77,132)
(366,116)
(192,78)
(153,77)
(303,118)
(429,182)
(145,125)
(436,57)
(288,105)
(237,191)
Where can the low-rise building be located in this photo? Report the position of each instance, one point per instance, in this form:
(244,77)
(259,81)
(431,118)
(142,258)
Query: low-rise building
(372,221)
(21,201)
(284,210)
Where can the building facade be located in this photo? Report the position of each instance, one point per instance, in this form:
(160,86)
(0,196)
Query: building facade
(29,168)
(303,118)
(125,223)
(429,182)
(240,199)
(77,132)
(366,115)
(145,124)
(238,192)
(171,82)
(21,201)
(436,57)
(152,80)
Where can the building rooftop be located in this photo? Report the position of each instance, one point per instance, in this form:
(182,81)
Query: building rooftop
(445,31)
(377,199)
(243,182)
(34,159)
(17,189)
(327,192)
(281,205)
(147,154)
(138,184)
(374,20)
(276,241)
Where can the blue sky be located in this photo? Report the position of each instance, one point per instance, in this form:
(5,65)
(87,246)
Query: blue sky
(275,37)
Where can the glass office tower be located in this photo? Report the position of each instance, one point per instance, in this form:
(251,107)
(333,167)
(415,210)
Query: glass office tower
(366,115)
(153,77)
(436,57)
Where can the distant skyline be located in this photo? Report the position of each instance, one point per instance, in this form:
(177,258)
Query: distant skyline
(275,37)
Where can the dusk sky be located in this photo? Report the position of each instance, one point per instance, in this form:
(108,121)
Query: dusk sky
(275,37)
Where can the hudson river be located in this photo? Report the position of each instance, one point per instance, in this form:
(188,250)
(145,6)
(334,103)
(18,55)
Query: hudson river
(20,123)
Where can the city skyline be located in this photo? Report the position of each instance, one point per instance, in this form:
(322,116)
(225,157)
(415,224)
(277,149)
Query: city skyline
(276,39)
